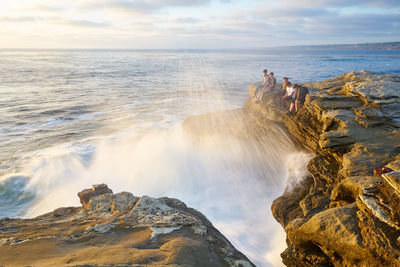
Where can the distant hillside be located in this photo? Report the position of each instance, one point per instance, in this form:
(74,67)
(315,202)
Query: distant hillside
(366,46)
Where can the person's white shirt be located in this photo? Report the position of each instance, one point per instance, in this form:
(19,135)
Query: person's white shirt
(289,90)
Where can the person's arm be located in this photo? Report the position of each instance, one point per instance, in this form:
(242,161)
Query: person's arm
(286,94)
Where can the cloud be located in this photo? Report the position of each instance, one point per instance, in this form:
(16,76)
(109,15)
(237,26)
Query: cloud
(18,19)
(360,24)
(81,23)
(140,5)
(199,23)
(55,20)
(340,3)
(185,20)
(42,8)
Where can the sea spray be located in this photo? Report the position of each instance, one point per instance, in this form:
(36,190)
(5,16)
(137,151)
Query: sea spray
(117,119)
(232,179)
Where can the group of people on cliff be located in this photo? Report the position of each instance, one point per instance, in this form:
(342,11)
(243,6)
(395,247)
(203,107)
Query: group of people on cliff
(294,94)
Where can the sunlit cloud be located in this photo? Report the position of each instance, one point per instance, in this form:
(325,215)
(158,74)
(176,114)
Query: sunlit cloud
(196,23)
(139,5)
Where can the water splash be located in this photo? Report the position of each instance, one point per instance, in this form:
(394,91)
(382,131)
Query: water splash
(231,180)
(135,142)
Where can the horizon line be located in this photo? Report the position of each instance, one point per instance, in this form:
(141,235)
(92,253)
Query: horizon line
(241,48)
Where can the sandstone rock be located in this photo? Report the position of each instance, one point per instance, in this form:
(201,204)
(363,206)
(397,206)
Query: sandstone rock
(336,233)
(86,195)
(395,164)
(351,123)
(349,189)
(117,230)
(286,208)
(375,209)
(389,191)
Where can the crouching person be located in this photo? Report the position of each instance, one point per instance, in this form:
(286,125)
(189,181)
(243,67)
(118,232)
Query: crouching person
(301,94)
(290,95)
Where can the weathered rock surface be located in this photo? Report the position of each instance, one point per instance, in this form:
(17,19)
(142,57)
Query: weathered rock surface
(342,215)
(117,230)
(339,215)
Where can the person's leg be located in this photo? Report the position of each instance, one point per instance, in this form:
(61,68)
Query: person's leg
(292,105)
(260,96)
(257,90)
(300,102)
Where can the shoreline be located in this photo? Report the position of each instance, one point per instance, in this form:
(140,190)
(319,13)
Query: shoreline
(351,125)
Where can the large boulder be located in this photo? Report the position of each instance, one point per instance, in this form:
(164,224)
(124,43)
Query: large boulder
(117,230)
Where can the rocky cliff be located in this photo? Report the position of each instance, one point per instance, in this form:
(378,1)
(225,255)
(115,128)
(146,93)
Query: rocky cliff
(117,230)
(342,215)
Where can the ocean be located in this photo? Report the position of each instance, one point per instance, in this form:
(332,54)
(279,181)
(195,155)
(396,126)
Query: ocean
(73,118)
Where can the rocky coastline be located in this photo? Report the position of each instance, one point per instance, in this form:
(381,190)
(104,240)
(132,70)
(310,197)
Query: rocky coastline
(341,214)
(117,230)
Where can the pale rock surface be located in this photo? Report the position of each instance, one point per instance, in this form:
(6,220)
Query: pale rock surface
(117,230)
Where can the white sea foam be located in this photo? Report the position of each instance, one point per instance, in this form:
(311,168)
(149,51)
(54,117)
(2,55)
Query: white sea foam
(222,178)
(114,122)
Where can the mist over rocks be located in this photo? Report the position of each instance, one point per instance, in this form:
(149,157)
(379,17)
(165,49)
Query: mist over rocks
(117,230)
(341,215)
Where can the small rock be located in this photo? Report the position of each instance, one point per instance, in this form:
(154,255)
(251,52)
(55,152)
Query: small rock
(86,195)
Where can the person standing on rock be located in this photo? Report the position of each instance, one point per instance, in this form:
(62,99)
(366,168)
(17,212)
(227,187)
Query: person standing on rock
(270,86)
(264,84)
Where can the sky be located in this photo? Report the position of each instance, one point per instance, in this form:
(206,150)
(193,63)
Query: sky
(169,24)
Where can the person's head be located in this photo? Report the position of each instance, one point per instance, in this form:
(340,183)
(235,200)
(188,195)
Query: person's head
(271,74)
(285,79)
(289,84)
(265,72)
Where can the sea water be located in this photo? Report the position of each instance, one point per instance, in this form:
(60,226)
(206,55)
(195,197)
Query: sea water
(73,118)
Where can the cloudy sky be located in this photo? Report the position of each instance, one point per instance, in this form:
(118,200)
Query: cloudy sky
(195,23)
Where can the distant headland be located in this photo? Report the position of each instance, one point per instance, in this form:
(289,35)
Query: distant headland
(363,46)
